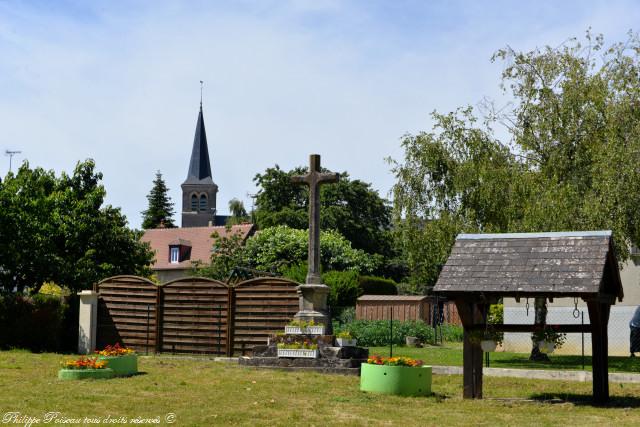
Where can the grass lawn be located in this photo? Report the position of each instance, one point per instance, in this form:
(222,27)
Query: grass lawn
(451,354)
(207,393)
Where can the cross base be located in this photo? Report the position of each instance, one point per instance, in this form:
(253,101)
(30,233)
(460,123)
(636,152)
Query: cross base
(313,304)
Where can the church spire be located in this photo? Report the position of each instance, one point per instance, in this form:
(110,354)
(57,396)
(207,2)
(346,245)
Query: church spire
(199,166)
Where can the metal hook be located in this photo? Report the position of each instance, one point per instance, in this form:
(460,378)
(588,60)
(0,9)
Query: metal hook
(526,306)
(576,311)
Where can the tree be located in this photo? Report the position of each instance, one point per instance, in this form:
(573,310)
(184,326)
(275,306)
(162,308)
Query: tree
(350,207)
(226,254)
(57,229)
(238,212)
(570,162)
(160,210)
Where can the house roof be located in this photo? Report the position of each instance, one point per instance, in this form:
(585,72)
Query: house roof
(199,238)
(555,264)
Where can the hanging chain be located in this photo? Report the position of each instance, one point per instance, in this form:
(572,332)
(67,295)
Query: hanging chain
(576,311)
(526,306)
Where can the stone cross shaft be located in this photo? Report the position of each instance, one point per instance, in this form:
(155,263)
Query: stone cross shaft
(314,179)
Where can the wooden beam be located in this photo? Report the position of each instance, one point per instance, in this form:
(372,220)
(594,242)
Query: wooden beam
(599,316)
(470,314)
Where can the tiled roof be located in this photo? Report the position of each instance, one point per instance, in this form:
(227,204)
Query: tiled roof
(199,238)
(571,263)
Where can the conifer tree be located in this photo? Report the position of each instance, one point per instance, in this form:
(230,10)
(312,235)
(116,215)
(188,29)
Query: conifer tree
(160,210)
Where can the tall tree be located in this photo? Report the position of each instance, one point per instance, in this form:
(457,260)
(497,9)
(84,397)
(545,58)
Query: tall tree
(57,229)
(160,210)
(351,207)
(238,212)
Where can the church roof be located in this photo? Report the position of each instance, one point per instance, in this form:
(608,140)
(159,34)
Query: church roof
(199,166)
(199,238)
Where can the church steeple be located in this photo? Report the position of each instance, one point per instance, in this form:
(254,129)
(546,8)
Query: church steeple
(198,190)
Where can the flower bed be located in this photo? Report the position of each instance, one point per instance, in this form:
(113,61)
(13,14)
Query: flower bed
(123,361)
(395,375)
(83,368)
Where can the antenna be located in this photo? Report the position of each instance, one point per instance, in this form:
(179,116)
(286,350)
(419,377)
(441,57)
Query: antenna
(11,153)
(201,85)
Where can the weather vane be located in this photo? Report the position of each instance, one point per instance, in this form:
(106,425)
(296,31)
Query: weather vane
(201,85)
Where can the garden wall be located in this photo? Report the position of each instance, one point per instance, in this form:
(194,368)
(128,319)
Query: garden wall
(406,307)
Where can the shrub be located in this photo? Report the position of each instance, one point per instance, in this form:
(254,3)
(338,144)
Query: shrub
(452,333)
(371,285)
(371,333)
(344,289)
(295,272)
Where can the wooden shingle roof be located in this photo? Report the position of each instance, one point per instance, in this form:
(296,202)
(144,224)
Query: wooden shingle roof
(528,264)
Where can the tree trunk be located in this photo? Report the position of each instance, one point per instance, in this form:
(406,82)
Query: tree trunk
(540,309)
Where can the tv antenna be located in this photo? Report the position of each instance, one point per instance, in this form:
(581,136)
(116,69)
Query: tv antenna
(11,153)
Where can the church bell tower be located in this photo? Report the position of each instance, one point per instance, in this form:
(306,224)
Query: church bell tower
(198,190)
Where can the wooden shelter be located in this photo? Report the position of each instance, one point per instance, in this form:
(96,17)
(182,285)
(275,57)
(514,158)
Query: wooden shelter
(485,267)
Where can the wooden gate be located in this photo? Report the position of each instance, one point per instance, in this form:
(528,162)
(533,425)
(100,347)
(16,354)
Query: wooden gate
(261,306)
(194,316)
(127,312)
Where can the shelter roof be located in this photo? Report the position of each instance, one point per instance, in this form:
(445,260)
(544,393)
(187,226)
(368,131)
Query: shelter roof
(528,264)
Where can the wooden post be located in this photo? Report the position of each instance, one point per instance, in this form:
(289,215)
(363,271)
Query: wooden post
(471,352)
(231,301)
(158,332)
(599,318)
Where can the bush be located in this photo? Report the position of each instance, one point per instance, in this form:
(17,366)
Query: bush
(38,323)
(452,333)
(295,272)
(371,285)
(344,289)
(374,333)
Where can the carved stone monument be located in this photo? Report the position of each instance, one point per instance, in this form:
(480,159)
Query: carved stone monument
(313,294)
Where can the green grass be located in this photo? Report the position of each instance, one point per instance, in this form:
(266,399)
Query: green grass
(451,354)
(206,393)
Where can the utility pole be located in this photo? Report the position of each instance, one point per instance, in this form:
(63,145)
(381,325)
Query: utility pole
(11,153)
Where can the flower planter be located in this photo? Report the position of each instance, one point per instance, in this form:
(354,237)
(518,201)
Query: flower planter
(82,374)
(546,347)
(400,380)
(308,330)
(412,341)
(346,342)
(122,365)
(298,352)
(488,345)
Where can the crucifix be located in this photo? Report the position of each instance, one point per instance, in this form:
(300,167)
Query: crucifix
(314,179)
(313,294)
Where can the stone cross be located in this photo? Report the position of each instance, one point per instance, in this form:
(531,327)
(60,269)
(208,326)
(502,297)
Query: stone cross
(314,179)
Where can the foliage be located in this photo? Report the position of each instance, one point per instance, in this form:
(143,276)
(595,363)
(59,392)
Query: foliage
(371,285)
(160,209)
(549,334)
(343,288)
(37,323)
(344,335)
(305,345)
(570,162)
(226,254)
(57,229)
(276,248)
(238,212)
(84,362)
(302,324)
(451,333)
(351,207)
(377,332)
(296,272)
(395,361)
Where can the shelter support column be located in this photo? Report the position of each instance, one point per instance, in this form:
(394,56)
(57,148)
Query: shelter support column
(88,322)
(470,315)
(599,317)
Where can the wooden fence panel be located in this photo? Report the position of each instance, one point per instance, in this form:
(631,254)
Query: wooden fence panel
(261,307)
(127,313)
(194,316)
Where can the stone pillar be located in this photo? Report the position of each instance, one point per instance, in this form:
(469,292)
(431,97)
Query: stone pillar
(88,322)
(313,304)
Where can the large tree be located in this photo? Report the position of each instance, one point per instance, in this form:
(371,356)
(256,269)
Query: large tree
(569,161)
(160,209)
(351,207)
(57,229)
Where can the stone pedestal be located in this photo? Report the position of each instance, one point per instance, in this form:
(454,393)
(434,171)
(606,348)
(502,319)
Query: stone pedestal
(313,304)
(88,322)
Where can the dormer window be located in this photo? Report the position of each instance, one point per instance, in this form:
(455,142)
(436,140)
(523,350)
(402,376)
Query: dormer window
(179,251)
(175,254)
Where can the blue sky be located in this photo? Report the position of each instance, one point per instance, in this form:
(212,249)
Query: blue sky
(119,81)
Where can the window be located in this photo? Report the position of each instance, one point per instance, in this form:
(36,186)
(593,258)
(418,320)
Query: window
(194,202)
(203,203)
(175,255)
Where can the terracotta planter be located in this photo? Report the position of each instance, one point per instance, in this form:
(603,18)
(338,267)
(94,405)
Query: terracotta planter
(400,380)
(83,374)
(122,366)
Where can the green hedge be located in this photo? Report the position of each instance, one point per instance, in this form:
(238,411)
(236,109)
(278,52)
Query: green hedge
(375,333)
(38,323)
(371,285)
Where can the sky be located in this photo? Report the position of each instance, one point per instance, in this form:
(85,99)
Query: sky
(119,82)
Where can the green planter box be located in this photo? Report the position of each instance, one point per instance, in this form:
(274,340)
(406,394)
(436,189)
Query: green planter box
(401,380)
(82,374)
(122,365)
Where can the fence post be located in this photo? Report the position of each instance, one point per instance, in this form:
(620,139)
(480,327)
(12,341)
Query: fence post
(146,347)
(391,332)
(230,319)
(158,334)
(87,322)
